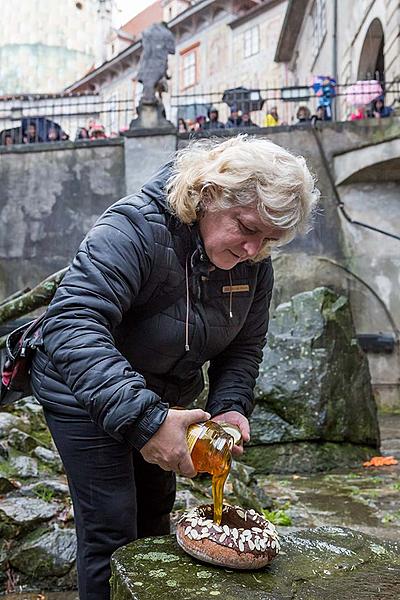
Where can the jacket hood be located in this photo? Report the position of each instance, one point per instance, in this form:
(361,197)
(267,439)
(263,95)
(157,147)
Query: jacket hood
(156,186)
(212,110)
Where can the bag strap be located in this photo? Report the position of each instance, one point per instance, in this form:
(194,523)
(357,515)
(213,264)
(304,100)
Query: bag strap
(18,340)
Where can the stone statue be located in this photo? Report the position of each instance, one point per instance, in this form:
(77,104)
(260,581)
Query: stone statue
(158,42)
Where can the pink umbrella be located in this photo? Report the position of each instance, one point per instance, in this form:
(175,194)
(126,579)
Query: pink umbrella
(363,92)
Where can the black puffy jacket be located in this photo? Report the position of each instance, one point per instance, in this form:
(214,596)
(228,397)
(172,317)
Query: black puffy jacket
(105,353)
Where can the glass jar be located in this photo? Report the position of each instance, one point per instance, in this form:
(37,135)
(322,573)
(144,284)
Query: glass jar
(210,447)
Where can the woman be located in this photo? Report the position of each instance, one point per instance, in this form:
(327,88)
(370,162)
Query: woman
(379,110)
(303,115)
(182,127)
(166,280)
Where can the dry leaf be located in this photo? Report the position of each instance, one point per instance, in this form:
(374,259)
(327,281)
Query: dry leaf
(381,461)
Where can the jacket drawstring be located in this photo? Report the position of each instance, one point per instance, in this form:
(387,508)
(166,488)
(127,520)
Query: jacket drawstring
(187,347)
(230,296)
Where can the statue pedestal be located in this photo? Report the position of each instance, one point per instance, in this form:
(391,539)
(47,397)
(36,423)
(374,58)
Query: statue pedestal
(146,149)
(151,115)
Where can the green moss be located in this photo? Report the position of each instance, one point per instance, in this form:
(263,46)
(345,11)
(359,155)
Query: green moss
(44,493)
(278,517)
(44,437)
(316,563)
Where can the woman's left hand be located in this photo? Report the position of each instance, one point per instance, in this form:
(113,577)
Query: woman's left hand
(235,418)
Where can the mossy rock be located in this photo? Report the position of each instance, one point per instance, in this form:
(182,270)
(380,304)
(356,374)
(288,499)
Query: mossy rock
(305,457)
(316,564)
(314,383)
(45,553)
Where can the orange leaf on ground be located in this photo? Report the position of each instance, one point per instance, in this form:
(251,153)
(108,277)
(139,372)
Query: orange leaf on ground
(381,461)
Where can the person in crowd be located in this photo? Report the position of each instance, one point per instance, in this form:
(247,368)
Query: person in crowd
(359,113)
(246,121)
(320,115)
(91,122)
(31,135)
(7,139)
(303,115)
(234,119)
(327,94)
(97,132)
(379,110)
(213,119)
(53,134)
(82,134)
(182,127)
(271,119)
(64,136)
(150,297)
(200,123)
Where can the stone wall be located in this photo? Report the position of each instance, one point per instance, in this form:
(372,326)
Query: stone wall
(51,194)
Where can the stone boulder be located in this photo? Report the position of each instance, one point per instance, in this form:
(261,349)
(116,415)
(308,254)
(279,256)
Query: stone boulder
(325,563)
(47,554)
(18,516)
(37,537)
(315,409)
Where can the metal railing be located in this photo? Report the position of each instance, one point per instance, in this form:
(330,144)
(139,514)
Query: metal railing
(36,119)
(289,102)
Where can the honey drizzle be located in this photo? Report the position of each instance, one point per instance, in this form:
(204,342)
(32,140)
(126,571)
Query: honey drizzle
(218,482)
(218,465)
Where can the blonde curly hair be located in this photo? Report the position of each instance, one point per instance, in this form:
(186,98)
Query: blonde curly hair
(241,171)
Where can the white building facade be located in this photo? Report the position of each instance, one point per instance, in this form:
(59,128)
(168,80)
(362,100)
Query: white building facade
(349,41)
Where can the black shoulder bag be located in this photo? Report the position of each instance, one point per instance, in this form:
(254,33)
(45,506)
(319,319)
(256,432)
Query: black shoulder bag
(20,346)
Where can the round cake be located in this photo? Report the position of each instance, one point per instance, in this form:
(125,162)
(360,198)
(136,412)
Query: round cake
(243,540)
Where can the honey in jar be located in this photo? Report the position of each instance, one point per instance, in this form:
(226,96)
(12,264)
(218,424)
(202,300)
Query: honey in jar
(210,446)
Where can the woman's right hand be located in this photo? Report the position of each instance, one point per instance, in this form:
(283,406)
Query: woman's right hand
(168,447)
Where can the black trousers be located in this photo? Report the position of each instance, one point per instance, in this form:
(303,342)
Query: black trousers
(116,495)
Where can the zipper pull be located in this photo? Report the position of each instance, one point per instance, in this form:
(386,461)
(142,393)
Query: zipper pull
(23,349)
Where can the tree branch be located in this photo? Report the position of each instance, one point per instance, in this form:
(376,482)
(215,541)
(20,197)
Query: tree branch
(39,296)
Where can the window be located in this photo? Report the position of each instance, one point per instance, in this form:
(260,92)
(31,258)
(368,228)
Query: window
(189,66)
(251,41)
(189,69)
(318,15)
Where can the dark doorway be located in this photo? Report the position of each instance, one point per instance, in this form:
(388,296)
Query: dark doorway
(372,65)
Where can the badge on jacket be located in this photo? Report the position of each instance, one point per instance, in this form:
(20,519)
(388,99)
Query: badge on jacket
(231,289)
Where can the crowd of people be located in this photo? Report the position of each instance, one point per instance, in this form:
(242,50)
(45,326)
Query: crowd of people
(94,130)
(29,133)
(202,123)
(377,109)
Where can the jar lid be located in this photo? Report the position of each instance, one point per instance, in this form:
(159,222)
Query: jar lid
(232,430)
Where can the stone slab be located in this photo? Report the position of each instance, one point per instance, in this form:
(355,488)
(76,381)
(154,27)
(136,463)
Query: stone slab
(325,563)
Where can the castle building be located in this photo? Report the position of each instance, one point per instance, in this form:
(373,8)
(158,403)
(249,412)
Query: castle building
(44,46)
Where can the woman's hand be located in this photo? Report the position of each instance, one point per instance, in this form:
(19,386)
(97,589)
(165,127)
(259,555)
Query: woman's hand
(168,447)
(235,418)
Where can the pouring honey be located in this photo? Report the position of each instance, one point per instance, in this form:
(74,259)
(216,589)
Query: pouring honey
(210,445)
